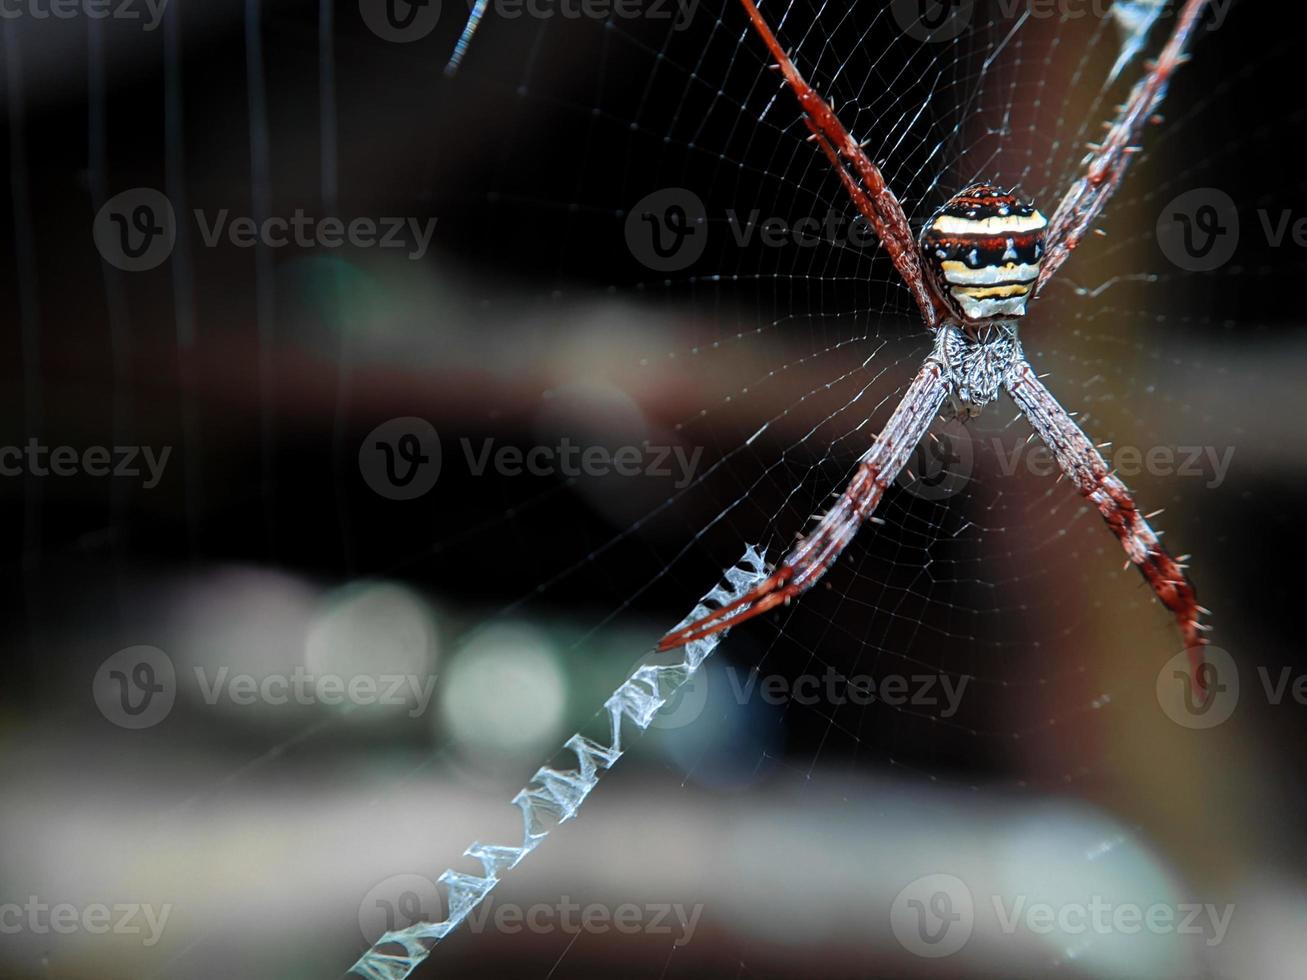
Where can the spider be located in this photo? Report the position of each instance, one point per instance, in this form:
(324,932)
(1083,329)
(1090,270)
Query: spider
(973,270)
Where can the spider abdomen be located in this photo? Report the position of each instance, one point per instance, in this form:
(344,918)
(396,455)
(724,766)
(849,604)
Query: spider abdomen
(983,249)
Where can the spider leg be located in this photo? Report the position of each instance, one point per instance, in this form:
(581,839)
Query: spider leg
(1083,203)
(1087,469)
(811,557)
(873,198)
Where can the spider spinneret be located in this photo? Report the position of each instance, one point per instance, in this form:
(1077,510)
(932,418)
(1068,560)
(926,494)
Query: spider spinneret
(984,249)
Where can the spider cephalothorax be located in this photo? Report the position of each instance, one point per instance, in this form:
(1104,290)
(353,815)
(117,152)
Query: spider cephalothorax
(978,363)
(983,249)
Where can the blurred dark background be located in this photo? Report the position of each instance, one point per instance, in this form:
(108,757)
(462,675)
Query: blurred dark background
(264,546)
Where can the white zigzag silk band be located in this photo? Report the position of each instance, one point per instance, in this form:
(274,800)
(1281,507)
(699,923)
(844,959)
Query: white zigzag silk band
(553,796)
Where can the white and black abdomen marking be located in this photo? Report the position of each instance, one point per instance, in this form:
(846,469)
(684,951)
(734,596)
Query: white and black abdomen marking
(983,249)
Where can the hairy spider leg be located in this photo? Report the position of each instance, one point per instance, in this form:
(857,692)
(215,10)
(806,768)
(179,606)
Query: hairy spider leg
(1084,465)
(874,198)
(879,466)
(1108,161)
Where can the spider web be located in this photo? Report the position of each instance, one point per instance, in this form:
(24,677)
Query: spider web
(794,354)
(776,363)
(782,360)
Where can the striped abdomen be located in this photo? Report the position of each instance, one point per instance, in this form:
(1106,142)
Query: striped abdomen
(983,249)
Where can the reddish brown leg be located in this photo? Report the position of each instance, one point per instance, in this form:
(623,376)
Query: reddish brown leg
(811,557)
(1086,468)
(873,198)
(1081,206)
